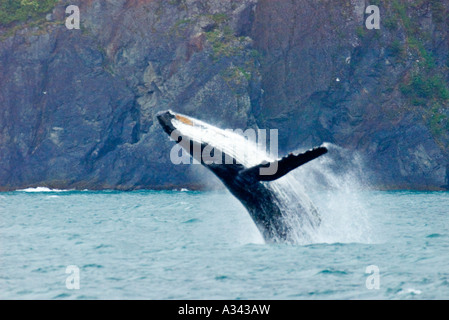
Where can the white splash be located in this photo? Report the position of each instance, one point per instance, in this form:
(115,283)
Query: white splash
(337,195)
(235,145)
(336,184)
(410,291)
(52,197)
(42,189)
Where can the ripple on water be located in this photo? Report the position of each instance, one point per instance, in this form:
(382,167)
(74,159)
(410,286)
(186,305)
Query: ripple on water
(93,265)
(434,235)
(333,271)
(193,220)
(161,257)
(62,296)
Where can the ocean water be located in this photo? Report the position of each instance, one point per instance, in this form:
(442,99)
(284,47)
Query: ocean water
(203,245)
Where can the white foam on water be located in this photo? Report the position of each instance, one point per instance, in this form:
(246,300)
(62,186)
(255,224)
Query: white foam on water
(410,291)
(337,196)
(42,189)
(52,197)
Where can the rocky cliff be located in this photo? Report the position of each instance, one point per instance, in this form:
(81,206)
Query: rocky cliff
(77,107)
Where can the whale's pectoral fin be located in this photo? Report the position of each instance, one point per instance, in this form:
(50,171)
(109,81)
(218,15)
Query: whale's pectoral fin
(270,171)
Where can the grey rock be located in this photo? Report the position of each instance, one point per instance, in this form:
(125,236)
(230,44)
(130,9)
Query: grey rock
(78,106)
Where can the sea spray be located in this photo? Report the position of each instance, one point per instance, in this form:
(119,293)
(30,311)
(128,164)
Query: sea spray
(335,215)
(338,184)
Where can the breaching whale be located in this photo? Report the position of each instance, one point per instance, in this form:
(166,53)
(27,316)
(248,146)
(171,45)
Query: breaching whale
(268,201)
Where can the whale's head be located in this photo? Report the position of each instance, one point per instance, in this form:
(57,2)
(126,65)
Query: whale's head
(186,130)
(168,118)
(165,119)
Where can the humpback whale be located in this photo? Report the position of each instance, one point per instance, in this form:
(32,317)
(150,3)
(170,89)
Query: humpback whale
(273,205)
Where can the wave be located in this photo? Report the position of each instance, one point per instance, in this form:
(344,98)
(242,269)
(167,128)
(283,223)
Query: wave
(42,189)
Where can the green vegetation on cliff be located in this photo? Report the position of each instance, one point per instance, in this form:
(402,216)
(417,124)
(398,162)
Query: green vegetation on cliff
(223,42)
(424,85)
(421,89)
(22,10)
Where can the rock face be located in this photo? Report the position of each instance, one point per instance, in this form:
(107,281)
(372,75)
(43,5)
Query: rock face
(78,106)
